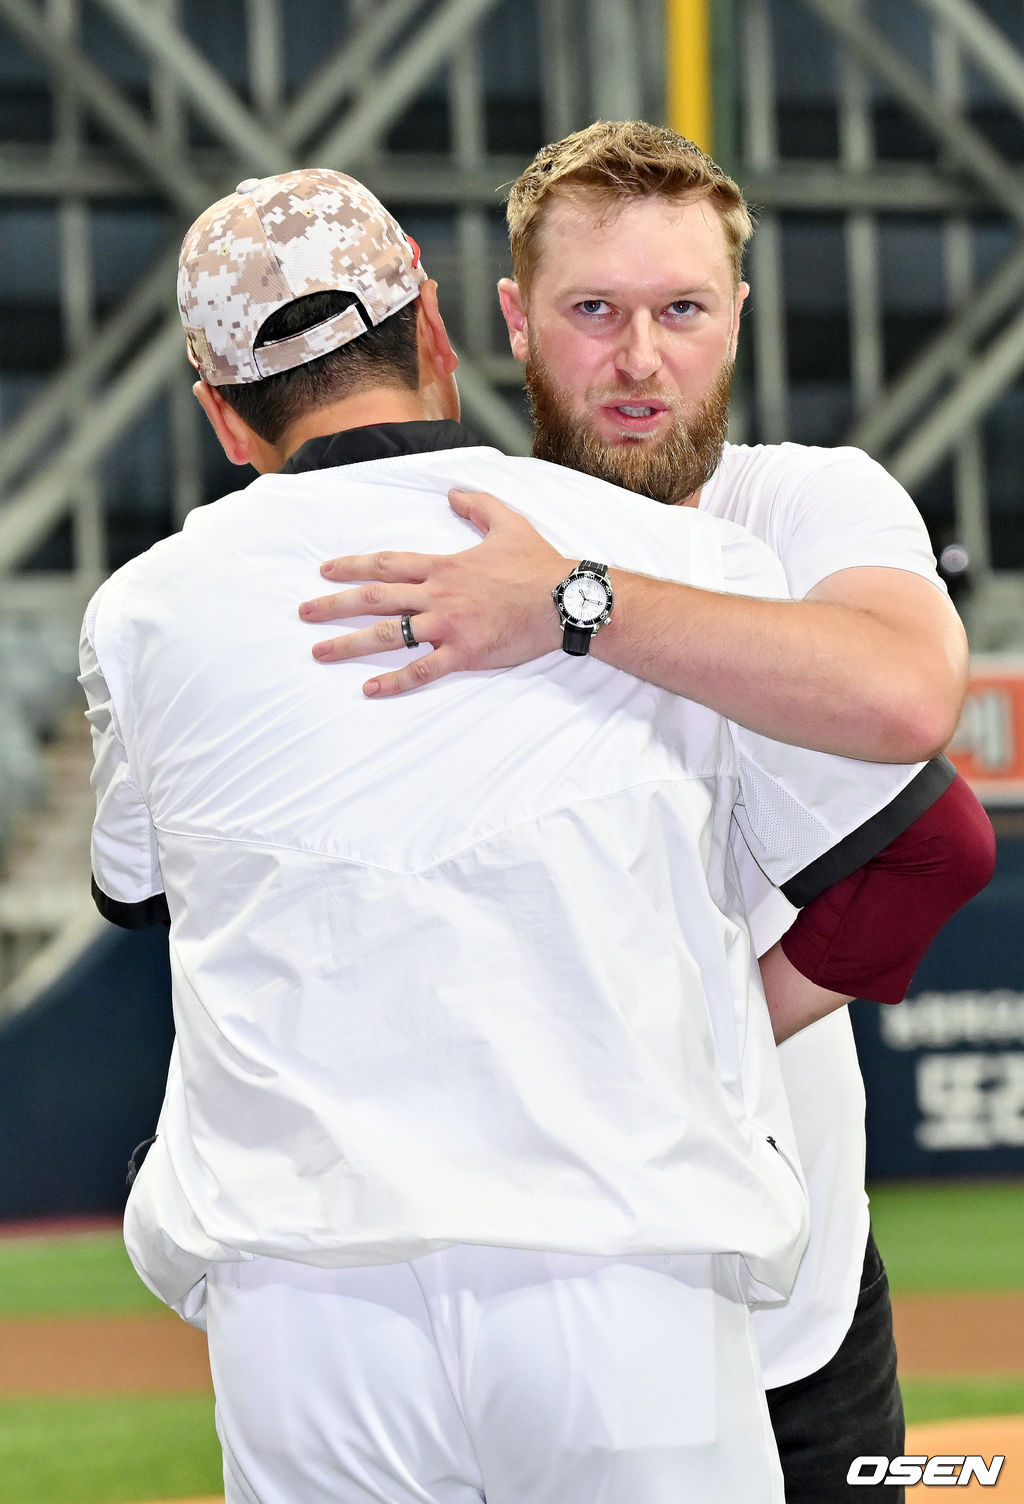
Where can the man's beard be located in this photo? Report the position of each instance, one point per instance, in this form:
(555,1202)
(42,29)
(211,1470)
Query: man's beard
(668,470)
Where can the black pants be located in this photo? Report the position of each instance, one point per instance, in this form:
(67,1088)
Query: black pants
(850,1408)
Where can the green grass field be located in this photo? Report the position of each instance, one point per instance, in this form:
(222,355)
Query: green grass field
(107,1450)
(953,1236)
(85,1273)
(935,1238)
(95,1450)
(940,1238)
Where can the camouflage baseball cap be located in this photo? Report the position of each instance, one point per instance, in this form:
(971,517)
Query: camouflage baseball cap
(274,240)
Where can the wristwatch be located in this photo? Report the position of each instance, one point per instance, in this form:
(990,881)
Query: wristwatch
(584,602)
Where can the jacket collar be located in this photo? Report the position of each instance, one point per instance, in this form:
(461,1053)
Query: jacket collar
(378,441)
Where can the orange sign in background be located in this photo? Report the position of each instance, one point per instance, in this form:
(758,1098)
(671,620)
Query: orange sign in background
(988,748)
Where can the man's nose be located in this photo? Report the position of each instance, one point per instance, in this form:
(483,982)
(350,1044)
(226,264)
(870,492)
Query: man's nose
(639,357)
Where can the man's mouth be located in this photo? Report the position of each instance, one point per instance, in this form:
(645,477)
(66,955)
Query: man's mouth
(635,417)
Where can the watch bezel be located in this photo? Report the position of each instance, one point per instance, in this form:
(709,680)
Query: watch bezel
(597,622)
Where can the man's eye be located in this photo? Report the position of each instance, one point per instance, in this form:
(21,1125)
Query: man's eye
(592,305)
(683,308)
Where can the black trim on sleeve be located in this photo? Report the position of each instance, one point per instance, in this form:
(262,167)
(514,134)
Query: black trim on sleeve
(131,916)
(874,835)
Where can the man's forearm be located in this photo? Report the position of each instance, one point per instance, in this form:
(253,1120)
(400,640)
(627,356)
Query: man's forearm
(828,674)
(793,1000)
(872,663)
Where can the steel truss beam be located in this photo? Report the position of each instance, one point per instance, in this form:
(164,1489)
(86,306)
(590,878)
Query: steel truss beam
(953,369)
(984,43)
(964,143)
(975,380)
(251,146)
(268,151)
(107,104)
(213,100)
(943,359)
(986,379)
(29,515)
(33,172)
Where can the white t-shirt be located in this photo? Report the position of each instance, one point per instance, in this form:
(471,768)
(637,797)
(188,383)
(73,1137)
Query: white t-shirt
(468,965)
(820,511)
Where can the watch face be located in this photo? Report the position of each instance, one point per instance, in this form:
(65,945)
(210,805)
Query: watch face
(585,598)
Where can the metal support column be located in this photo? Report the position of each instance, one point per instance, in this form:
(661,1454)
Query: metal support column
(688,88)
(857,153)
(969,480)
(767,296)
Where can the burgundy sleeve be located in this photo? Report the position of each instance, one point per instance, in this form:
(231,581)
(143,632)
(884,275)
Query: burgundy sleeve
(866,934)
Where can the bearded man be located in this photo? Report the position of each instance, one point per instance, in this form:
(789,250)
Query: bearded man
(625,307)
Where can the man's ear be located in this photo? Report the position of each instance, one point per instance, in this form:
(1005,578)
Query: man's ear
(742,293)
(236,437)
(514,309)
(434,342)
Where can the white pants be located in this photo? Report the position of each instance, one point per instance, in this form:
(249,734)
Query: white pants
(490,1374)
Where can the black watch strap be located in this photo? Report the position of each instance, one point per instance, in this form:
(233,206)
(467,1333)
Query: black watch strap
(576,640)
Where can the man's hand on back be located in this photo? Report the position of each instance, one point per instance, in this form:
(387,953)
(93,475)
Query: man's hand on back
(872,663)
(486,607)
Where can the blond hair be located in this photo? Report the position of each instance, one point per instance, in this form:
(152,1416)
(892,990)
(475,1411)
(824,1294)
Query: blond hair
(609,163)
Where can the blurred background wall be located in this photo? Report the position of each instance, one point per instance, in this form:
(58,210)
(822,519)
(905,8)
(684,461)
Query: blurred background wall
(881,143)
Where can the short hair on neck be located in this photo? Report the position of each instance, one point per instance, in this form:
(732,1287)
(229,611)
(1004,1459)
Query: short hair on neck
(387,355)
(609,163)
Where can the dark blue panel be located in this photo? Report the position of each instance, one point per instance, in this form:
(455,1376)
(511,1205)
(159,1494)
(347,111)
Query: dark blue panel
(82,1077)
(945,1070)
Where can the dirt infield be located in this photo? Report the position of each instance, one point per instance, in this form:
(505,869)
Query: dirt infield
(137,1354)
(938,1336)
(987,1436)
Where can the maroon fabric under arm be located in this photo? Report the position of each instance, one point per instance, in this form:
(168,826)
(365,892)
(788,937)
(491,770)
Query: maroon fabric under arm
(866,935)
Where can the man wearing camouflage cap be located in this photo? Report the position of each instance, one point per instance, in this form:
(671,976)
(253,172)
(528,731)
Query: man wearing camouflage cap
(474,1149)
(323,232)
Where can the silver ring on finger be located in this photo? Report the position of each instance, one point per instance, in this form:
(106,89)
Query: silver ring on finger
(408,633)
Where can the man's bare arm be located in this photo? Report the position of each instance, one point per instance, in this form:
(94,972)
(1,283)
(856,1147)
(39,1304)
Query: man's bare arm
(793,1000)
(871,664)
